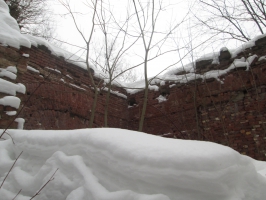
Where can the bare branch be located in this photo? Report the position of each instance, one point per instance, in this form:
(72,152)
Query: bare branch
(17,194)
(10,169)
(50,179)
(233,18)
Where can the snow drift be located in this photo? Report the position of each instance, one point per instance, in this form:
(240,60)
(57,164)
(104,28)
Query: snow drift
(116,164)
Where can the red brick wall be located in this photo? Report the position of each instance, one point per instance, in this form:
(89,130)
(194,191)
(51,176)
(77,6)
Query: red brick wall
(9,57)
(57,104)
(63,105)
(232,113)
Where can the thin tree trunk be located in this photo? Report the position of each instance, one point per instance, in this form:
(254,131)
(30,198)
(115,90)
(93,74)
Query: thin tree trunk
(145,100)
(93,108)
(144,107)
(107,107)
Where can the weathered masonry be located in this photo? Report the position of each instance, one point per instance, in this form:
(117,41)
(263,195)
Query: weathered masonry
(230,110)
(58,93)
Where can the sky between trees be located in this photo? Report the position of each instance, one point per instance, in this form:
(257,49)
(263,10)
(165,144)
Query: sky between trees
(202,27)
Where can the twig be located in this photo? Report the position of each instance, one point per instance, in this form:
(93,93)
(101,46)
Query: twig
(51,178)
(10,170)
(10,137)
(17,194)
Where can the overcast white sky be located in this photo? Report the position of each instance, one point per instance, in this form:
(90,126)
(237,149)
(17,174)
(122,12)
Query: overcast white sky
(174,14)
(66,30)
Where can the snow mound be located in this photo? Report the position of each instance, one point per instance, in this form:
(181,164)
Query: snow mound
(116,164)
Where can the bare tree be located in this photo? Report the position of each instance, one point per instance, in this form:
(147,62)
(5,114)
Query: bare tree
(87,41)
(110,55)
(116,43)
(147,15)
(115,47)
(123,70)
(33,17)
(128,76)
(232,19)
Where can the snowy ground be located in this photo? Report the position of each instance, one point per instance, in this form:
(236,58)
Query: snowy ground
(116,164)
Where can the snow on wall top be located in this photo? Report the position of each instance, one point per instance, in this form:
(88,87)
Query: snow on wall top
(10,35)
(9,31)
(69,57)
(186,73)
(189,76)
(234,52)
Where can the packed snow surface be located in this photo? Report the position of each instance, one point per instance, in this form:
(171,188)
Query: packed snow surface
(7,73)
(10,101)
(20,122)
(161,99)
(11,88)
(33,69)
(11,113)
(116,164)
(12,69)
(9,31)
